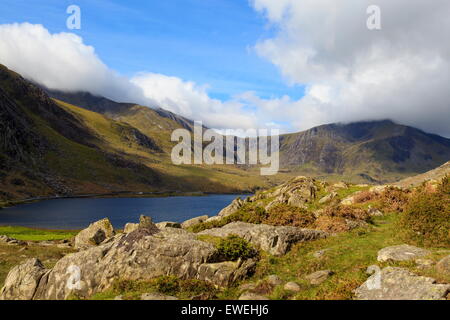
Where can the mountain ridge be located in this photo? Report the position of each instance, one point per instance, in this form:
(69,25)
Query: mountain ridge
(52,146)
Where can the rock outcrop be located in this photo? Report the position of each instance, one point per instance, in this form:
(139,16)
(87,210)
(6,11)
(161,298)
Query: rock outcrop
(194,221)
(400,284)
(143,254)
(95,234)
(275,240)
(232,208)
(22,281)
(168,224)
(11,241)
(319,276)
(130,227)
(402,252)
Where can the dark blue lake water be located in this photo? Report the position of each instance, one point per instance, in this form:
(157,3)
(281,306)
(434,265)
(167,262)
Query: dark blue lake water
(79,213)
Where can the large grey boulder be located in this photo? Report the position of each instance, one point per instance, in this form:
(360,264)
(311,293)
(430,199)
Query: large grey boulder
(143,254)
(275,240)
(194,221)
(95,234)
(402,252)
(400,284)
(226,273)
(22,281)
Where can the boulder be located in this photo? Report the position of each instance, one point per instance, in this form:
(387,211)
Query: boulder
(298,200)
(11,241)
(319,276)
(249,296)
(274,280)
(328,198)
(143,254)
(157,296)
(194,221)
(95,234)
(400,284)
(340,185)
(226,273)
(146,222)
(232,208)
(350,199)
(168,224)
(22,281)
(443,266)
(275,240)
(292,286)
(402,252)
(130,227)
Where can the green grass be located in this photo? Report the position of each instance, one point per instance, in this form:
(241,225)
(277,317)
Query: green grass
(29,234)
(348,255)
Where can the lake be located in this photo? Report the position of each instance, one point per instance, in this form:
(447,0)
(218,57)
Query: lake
(79,213)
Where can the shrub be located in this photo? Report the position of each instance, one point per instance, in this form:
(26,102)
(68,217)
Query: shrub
(394,199)
(364,196)
(332,224)
(426,219)
(347,212)
(234,248)
(285,215)
(167,284)
(248,213)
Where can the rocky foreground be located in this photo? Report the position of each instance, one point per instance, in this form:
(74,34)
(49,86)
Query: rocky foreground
(273,222)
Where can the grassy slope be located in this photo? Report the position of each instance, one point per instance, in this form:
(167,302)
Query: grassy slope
(349,255)
(11,256)
(202,178)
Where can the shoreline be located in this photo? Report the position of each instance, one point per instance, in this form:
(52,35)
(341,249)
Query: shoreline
(121,194)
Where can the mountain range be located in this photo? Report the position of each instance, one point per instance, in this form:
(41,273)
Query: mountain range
(54,142)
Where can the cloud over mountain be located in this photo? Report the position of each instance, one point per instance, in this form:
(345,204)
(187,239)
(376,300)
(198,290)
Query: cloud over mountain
(401,71)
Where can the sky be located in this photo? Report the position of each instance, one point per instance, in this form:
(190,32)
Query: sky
(240,64)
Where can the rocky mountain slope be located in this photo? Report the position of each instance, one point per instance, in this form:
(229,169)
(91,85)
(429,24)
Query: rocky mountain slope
(77,143)
(376,151)
(50,147)
(369,152)
(435,174)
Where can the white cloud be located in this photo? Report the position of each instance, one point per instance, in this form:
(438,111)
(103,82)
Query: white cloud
(61,61)
(192,101)
(401,72)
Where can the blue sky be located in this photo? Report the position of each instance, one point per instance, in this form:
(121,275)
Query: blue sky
(168,51)
(206,41)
